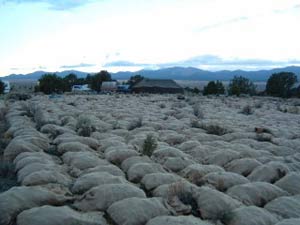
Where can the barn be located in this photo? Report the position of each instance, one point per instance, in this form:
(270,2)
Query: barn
(157,86)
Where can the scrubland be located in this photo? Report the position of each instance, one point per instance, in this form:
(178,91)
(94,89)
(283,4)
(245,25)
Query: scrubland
(151,160)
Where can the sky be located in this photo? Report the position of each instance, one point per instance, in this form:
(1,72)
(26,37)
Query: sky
(128,35)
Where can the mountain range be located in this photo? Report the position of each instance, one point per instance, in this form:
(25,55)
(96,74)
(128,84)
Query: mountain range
(176,73)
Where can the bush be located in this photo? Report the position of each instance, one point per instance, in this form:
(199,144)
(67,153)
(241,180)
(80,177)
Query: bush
(258,105)
(214,88)
(7,170)
(280,84)
(263,137)
(198,112)
(214,129)
(2,87)
(149,145)
(69,81)
(162,105)
(116,125)
(98,78)
(18,96)
(185,195)
(247,110)
(7,176)
(84,126)
(136,124)
(195,124)
(51,83)
(241,85)
(134,80)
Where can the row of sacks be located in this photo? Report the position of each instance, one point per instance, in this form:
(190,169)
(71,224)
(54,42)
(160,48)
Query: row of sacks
(121,199)
(216,175)
(39,168)
(44,111)
(133,211)
(25,137)
(239,187)
(17,199)
(247,162)
(251,203)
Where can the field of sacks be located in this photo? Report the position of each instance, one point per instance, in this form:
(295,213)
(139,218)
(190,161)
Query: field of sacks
(79,160)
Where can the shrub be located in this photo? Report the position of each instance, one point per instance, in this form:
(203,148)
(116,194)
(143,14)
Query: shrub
(241,85)
(263,137)
(98,78)
(195,124)
(2,87)
(149,145)
(84,126)
(116,125)
(260,130)
(214,88)
(162,105)
(247,110)
(51,83)
(136,124)
(6,169)
(134,80)
(184,194)
(18,96)
(258,105)
(7,176)
(214,129)
(198,112)
(181,97)
(280,84)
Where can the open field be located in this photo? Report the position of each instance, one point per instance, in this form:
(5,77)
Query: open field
(151,160)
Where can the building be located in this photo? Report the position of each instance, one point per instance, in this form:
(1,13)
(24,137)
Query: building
(157,86)
(109,86)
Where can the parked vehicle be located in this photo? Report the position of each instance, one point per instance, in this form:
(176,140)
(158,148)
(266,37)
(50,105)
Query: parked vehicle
(7,87)
(80,88)
(124,88)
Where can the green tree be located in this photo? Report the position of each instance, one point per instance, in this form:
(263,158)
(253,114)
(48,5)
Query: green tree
(69,81)
(214,88)
(134,80)
(2,87)
(280,84)
(241,85)
(88,79)
(98,78)
(51,83)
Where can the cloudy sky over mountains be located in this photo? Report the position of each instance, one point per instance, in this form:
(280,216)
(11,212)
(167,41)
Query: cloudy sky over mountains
(90,35)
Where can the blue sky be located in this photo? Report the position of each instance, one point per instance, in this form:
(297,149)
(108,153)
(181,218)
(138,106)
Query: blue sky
(91,35)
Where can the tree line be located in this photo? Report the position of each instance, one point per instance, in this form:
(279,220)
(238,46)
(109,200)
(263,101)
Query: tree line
(278,85)
(51,83)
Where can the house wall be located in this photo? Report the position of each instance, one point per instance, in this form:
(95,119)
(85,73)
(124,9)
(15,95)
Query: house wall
(158,90)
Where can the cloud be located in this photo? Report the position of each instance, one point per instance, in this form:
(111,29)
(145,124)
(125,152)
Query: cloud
(210,61)
(77,66)
(121,63)
(53,4)
(297,6)
(217,25)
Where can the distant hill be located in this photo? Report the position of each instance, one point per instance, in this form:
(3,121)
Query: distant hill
(176,73)
(37,75)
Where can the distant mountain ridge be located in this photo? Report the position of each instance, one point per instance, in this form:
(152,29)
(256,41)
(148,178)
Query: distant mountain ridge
(176,73)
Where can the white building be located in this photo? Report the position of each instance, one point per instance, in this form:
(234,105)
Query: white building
(109,86)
